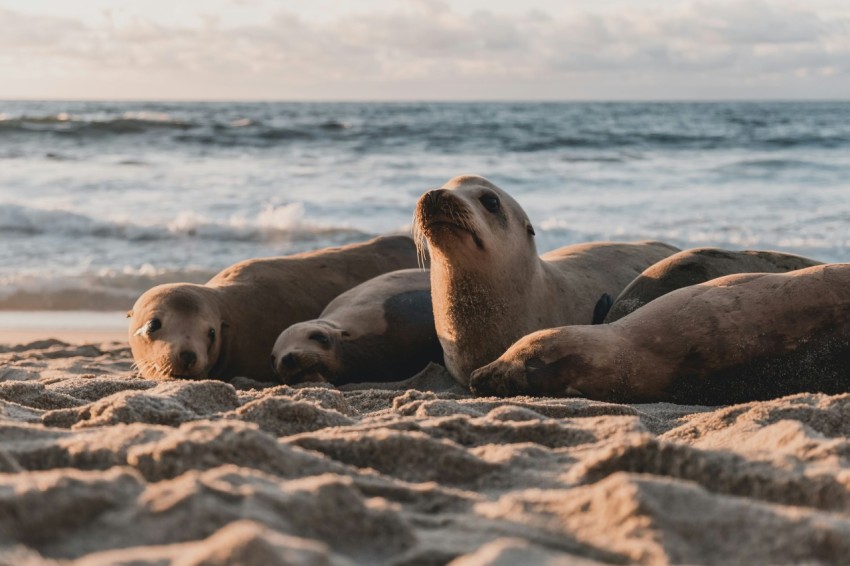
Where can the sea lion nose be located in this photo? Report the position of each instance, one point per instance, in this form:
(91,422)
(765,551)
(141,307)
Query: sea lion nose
(289,361)
(188,359)
(432,198)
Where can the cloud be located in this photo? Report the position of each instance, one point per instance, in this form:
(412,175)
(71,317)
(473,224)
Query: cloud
(425,41)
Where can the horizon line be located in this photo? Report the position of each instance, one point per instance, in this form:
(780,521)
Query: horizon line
(425,100)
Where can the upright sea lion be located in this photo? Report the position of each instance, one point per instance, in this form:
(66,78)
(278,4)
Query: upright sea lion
(489,286)
(739,338)
(227,327)
(699,265)
(381,330)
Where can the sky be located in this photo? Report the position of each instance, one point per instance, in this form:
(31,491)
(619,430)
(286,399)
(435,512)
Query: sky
(424,49)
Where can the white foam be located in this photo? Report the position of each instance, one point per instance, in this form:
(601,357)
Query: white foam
(286,217)
(285,221)
(147,116)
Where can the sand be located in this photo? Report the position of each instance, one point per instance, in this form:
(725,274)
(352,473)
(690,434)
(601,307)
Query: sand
(77,327)
(100,467)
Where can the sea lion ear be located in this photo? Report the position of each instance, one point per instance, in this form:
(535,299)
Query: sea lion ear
(129,314)
(225,324)
(530,229)
(346,334)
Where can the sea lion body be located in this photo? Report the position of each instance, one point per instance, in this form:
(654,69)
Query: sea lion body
(690,267)
(381,330)
(489,286)
(228,326)
(734,339)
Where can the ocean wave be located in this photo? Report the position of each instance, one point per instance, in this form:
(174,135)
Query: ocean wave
(778,164)
(248,131)
(555,232)
(63,123)
(670,141)
(107,290)
(818,141)
(284,223)
(449,131)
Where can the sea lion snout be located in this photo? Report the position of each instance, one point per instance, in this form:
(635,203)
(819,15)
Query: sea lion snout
(432,200)
(188,359)
(285,366)
(300,366)
(441,213)
(438,204)
(288,366)
(288,361)
(185,363)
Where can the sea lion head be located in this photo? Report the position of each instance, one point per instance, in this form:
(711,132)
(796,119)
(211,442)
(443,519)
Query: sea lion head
(470,218)
(175,332)
(555,361)
(308,351)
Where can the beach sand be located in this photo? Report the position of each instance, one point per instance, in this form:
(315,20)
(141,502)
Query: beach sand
(74,327)
(98,467)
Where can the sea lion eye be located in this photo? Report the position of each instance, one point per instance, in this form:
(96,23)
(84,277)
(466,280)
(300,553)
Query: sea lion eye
(211,334)
(154,324)
(319,337)
(490,202)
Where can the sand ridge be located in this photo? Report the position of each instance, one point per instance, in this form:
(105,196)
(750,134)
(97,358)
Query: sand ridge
(98,466)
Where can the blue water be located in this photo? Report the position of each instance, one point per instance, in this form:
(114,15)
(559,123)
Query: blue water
(113,197)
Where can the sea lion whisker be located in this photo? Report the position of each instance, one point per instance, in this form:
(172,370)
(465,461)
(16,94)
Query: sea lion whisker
(419,239)
(148,369)
(137,368)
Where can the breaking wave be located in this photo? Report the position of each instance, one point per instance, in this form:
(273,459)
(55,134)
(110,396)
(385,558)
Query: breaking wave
(273,224)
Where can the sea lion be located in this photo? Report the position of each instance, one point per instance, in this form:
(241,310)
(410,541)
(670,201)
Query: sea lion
(699,265)
(227,327)
(381,330)
(739,338)
(489,287)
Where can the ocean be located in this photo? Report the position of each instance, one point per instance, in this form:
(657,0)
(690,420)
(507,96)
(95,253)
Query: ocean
(101,200)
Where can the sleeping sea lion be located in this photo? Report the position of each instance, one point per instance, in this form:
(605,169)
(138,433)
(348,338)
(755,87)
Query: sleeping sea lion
(690,267)
(381,330)
(227,327)
(735,339)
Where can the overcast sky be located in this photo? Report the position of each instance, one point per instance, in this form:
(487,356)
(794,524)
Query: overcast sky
(424,49)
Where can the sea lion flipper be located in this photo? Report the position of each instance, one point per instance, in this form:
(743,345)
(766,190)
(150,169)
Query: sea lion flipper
(600,311)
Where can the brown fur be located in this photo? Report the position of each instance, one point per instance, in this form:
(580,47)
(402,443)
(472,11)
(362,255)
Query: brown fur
(699,265)
(489,286)
(248,305)
(730,340)
(381,330)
